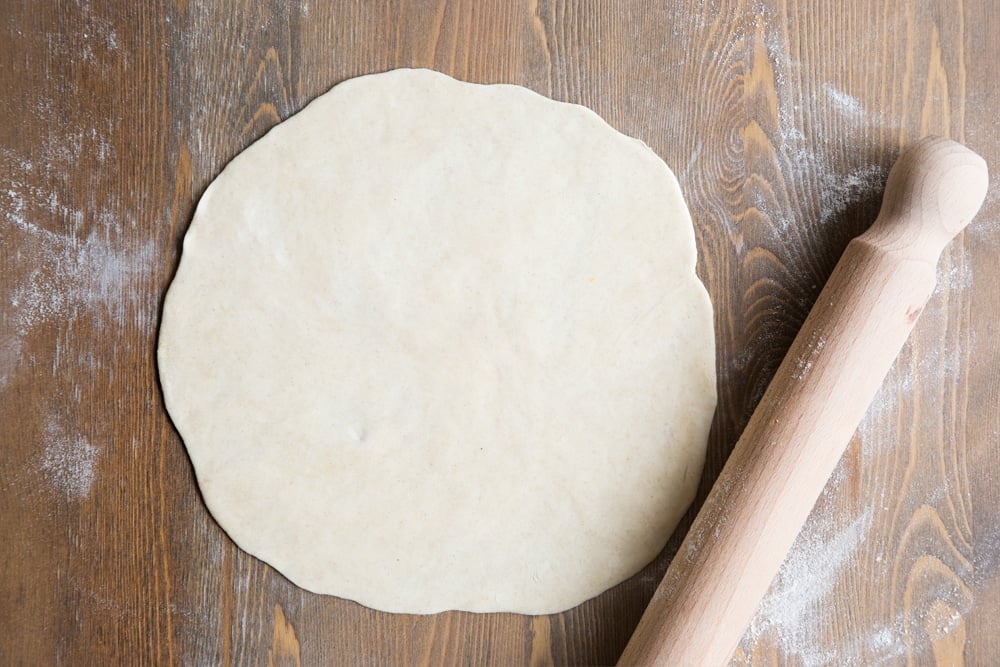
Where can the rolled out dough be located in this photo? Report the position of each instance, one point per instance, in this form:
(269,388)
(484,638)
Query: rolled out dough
(436,345)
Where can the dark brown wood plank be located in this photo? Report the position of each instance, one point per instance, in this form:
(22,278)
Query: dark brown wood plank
(780,118)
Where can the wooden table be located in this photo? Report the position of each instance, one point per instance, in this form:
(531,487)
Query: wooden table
(780,119)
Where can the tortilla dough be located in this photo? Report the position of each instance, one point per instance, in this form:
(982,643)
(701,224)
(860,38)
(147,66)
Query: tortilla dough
(436,345)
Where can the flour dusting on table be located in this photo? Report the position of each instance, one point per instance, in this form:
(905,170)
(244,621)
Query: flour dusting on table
(936,365)
(846,104)
(69,461)
(72,267)
(792,611)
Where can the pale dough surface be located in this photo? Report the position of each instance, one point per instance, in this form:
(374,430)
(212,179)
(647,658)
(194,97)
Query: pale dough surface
(436,345)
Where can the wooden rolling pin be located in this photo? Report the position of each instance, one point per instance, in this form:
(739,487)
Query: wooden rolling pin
(809,412)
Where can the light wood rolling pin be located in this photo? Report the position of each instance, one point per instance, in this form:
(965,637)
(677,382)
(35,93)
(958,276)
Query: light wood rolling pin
(809,412)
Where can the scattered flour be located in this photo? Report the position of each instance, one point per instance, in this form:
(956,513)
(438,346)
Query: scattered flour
(840,191)
(792,613)
(70,262)
(936,365)
(804,579)
(93,35)
(812,159)
(986,230)
(986,560)
(848,105)
(10,355)
(61,279)
(66,272)
(78,278)
(68,461)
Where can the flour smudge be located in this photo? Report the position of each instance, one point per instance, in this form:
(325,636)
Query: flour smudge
(69,461)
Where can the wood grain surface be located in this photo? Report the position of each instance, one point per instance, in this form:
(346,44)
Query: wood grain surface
(780,118)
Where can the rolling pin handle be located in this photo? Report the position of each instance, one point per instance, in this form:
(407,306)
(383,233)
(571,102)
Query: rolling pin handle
(933,192)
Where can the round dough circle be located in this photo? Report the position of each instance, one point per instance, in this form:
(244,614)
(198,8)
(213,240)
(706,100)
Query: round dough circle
(437,345)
